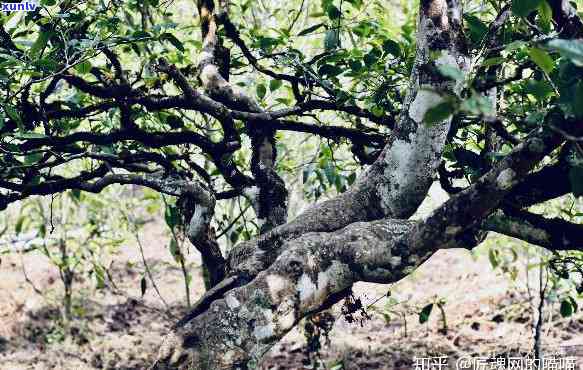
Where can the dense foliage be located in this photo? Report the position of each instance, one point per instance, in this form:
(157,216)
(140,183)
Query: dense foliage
(82,85)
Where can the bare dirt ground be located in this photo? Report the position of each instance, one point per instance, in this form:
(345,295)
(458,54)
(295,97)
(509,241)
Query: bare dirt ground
(486,314)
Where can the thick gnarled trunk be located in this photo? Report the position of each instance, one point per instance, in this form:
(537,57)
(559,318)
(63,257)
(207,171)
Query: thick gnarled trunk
(293,269)
(397,182)
(301,267)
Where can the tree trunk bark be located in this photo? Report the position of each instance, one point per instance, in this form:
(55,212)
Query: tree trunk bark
(302,267)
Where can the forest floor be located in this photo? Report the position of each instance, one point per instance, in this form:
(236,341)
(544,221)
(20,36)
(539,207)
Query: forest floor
(487,314)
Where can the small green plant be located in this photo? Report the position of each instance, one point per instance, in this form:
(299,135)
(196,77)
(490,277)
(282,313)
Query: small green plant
(76,238)
(428,308)
(177,244)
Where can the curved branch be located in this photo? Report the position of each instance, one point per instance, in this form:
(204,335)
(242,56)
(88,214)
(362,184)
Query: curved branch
(198,207)
(565,16)
(548,183)
(150,139)
(469,207)
(554,234)
(270,200)
(372,139)
(232,33)
(387,121)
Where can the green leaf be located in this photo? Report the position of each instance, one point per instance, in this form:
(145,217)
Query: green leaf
(332,39)
(577,100)
(174,121)
(330,172)
(515,45)
(171,216)
(333,12)
(42,230)
(377,110)
(356,3)
(29,135)
(99,276)
(576,179)
(19,225)
(311,29)
(545,15)
(40,43)
(542,59)
(143,285)
(306,174)
(141,35)
(33,158)
(451,71)
(261,91)
(372,57)
(283,101)
(392,47)
(570,49)
(329,70)
(13,114)
(478,29)
(523,8)
(573,303)
(355,65)
(234,236)
(274,85)
(364,28)
(540,89)
(438,113)
(425,312)
(46,64)
(174,250)
(76,194)
(341,96)
(83,68)
(493,257)
(173,40)
(478,104)
(493,61)
(267,43)
(350,179)
(566,308)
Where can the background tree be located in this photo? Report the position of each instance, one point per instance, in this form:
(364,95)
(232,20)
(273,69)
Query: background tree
(486,96)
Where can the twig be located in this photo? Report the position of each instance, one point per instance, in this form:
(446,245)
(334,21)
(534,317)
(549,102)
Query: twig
(181,260)
(150,272)
(539,322)
(27,279)
(224,231)
(147,267)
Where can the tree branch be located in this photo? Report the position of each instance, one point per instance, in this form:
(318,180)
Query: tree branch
(554,234)
(565,16)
